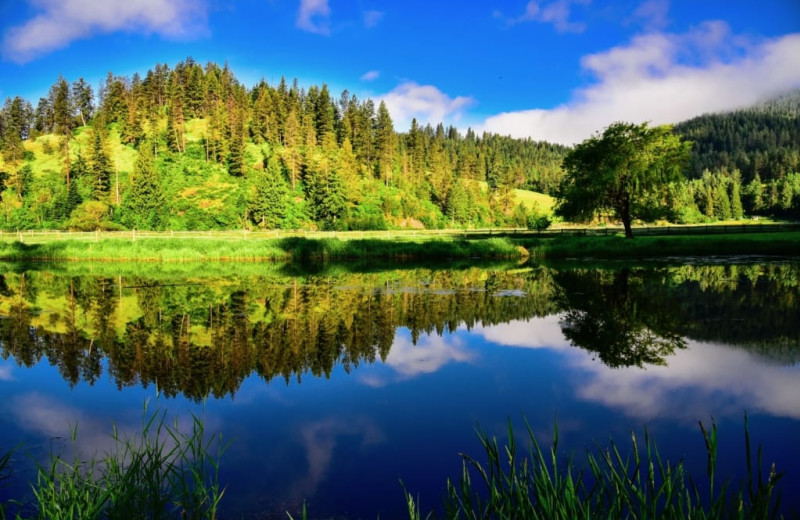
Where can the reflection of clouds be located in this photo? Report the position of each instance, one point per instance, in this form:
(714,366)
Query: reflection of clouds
(711,375)
(5,373)
(534,333)
(429,354)
(715,370)
(320,439)
(52,419)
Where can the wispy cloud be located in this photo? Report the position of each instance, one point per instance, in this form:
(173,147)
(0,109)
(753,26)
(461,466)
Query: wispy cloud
(5,373)
(664,78)
(313,16)
(372,18)
(60,22)
(370,76)
(653,15)
(556,13)
(426,103)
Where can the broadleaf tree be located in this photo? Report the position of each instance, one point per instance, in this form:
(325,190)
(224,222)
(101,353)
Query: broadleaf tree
(613,172)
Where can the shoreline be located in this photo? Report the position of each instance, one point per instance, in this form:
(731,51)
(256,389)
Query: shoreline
(155,250)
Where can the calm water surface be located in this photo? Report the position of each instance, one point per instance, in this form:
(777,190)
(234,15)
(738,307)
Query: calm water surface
(335,385)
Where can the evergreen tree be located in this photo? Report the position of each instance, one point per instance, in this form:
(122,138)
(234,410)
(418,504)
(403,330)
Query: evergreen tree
(737,212)
(267,206)
(83,100)
(384,143)
(100,168)
(144,201)
(722,204)
(63,118)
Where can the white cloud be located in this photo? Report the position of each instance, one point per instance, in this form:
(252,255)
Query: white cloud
(652,14)
(313,16)
(425,102)
(372,18)
(556,13)
(371,75)
(663,78)
(61,22)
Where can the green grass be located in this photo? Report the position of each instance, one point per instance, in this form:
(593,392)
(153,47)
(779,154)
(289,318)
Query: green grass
(533,199)
(418,248)
(636,485)
(613,247)
(298,249)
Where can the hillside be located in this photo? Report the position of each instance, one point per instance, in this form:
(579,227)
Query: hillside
(192,148)
(763,139)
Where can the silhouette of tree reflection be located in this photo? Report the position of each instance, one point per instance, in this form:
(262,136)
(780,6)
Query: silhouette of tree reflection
(605,316)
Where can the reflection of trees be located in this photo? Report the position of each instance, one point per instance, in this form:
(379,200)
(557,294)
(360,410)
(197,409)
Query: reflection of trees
(204,337)
(606,315)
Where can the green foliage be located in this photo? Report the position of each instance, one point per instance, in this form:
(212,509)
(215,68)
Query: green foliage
(614,172)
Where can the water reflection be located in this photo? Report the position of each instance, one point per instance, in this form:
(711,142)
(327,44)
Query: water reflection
(398,366)
(200,337)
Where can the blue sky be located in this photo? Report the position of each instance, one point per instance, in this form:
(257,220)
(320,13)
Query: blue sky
(550,69)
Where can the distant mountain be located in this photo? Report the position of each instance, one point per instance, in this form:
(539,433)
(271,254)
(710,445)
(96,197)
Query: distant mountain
(763,139)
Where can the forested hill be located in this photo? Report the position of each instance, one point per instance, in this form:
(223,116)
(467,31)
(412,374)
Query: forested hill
(763,139)
(190,147)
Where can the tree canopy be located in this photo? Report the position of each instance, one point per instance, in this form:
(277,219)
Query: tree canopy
(616,171)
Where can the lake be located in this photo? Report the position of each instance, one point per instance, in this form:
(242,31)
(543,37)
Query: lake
(335,383)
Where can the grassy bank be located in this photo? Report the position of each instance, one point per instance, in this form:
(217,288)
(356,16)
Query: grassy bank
(304,249)
(613,247)
(296,249)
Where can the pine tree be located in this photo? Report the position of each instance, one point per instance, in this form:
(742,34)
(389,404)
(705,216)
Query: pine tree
(722,204)
(145,200)
(737,212)
(384,143)
(100,168)
(63,118)
(267,206)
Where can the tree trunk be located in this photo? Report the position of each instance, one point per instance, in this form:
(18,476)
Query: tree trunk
(626,222)
(625,216)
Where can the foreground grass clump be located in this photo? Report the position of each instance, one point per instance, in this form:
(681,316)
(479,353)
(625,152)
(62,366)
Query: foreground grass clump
(639,485)
(163,472)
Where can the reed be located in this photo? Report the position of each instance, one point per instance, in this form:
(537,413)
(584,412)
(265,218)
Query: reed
(161,472)
(637,485)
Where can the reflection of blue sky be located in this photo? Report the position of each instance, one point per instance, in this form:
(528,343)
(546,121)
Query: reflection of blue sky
(320,438)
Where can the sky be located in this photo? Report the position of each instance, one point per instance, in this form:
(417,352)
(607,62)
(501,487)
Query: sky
(555,70)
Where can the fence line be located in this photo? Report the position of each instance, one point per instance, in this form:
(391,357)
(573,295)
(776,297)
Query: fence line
(133,235)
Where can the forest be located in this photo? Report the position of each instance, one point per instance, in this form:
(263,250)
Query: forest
(191,148)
